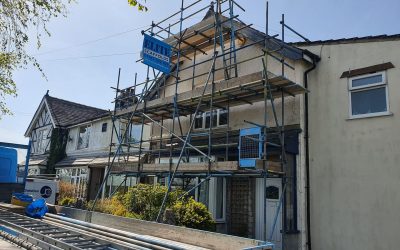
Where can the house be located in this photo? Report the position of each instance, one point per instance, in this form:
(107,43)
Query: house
(293,143)
(244,199)
(353,117)
(88,157)
(329,181)
(54,126)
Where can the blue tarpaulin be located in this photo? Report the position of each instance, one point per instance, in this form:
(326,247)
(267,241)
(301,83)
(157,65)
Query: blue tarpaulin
(37,209)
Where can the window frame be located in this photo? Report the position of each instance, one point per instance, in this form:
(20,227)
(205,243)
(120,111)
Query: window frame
(42,143)
(382,84)
(104,127)
(203,116)
(212,196)
(78,136)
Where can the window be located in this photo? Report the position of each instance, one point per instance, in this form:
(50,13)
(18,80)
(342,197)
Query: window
(220,199)
(368,95)
(217,198)
(203,192)
(134,133)
(84,135)
(290,198)
(104,127)
(78,177)
(198,122)
(218,118)
(272,193)
(42,140)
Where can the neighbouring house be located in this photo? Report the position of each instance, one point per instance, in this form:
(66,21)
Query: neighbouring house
(88,156)
(73,141)
(354,147)
(50,132)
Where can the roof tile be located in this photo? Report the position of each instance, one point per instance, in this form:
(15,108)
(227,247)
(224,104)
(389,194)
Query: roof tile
(66,113)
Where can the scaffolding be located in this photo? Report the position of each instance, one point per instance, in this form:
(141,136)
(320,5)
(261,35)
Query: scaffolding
(188,92)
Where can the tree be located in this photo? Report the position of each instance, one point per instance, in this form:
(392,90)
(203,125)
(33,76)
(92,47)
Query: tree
(17,19)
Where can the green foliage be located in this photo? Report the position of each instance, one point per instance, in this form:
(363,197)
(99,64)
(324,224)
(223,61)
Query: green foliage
(67,201)
(193,214)
(113,206)
(137,4)
(143,202)
(8,63)
(17,18)
(58,142)
(146,200)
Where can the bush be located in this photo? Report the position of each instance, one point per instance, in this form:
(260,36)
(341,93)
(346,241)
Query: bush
(145,200)
(112,206)
(193,214)
(67,201)
(66,190)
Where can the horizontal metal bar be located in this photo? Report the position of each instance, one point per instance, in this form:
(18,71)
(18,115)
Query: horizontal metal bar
(13,145)
(176,13)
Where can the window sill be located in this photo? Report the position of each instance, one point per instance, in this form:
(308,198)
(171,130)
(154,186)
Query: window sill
(369,116)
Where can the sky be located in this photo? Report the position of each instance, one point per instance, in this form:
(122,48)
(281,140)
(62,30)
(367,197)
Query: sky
(85,50)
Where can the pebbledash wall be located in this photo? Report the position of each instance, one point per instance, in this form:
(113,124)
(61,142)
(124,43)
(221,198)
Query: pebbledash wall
(354,163)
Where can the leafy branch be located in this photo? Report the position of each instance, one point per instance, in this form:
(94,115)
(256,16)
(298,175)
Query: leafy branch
(17,19)
(140,6)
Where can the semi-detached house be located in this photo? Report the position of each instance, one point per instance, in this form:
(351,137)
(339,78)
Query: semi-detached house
(340,179)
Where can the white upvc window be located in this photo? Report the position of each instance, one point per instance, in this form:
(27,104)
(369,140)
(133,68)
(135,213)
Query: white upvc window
(217,198)
(78,177)
(219,119)
(368,95)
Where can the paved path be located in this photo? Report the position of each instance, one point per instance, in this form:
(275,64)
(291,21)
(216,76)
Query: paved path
(6,245)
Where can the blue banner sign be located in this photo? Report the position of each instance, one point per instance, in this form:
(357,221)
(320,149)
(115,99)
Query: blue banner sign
(156,54)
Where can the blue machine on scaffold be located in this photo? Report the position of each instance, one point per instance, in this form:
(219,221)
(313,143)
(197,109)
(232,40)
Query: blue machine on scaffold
(157,54)
(250,146)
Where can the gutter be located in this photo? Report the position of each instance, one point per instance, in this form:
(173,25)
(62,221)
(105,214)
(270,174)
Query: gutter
(307,149)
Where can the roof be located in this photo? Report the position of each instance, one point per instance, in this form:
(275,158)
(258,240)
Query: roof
(66,113)
(36,160)
(272,43)
(92,161)
(383,37)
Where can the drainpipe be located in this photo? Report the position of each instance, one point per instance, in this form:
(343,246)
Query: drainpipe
(307,148)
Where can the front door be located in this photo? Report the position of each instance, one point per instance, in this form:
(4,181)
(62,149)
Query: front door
(273,193)
(96,177)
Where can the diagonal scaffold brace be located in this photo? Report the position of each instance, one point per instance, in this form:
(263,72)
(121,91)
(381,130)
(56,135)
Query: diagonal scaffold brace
(211,71)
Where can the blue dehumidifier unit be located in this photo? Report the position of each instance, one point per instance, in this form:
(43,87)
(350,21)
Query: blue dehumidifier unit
(250,146)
